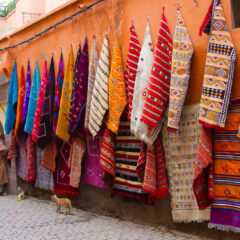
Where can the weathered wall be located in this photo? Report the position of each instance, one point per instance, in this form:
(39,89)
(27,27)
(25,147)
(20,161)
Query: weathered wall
(115,16)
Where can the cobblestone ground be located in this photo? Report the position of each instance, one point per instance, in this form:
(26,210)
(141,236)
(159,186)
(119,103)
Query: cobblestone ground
(32,219)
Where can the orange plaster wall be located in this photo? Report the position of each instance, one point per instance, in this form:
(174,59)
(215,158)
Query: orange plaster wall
(113,16)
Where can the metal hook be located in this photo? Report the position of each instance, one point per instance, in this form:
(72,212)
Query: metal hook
(148,18)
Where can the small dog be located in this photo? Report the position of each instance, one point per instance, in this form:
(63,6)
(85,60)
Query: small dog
(21,194)
(63,202)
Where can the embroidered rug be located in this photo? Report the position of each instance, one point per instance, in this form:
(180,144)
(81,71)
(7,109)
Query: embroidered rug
(117,89)
(107,157)
(99,103)
(131,66)
(12,101)
(93,64)
(49,155)
(46,123)
(44,178)
(21,91)
(63,117)
(62,173)
(180,153)
(33,100)
(225,213)
(151,169)
(22,159)
(127,182)
(58,92)
(79,94)
(158,87)
(92,171)
(40,102)
(26,95)
(78,149)
(180,74)
(203,185)
(31,159)
(138,128)
(13,149)
(219,70)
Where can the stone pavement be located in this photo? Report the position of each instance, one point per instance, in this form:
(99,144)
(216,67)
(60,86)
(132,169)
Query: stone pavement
(32,219)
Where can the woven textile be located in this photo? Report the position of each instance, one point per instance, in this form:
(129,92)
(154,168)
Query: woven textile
(58,92)
(151,169)
(26,95)
(117,89)
(78,149)
(3,158)
(99,103)
(63,118)
(158,87)
(180,153)
(127,182)
(180,73)
(12,101)
(12,153)
(219,70)
(31,159)
(138,128)
(49,155)
(225,213)
(131,66)
(203,185)
(92,171)
(107,157)
(22,159)
(40,102)
(44,178)
(79,95)
(21,91)
(93,63)
(33,100)
(46,123)
(62,173)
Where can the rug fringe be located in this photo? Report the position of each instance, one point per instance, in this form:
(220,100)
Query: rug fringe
(225,228)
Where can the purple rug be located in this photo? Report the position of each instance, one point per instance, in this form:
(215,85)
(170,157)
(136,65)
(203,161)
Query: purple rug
(92,172)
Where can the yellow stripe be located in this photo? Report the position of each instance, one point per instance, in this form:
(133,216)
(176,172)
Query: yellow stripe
(128,181)
(215,78)
(127,167)
(127,153)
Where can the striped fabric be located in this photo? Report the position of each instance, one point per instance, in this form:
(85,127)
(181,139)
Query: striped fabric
(158,86)
(225,212)
(131,66)
(139,128)
(31,159)
(39,106)
(93,63)
(36,81)
(45,129)
(151,169)
(99,103)
(141,82)
(58,92)
(117,89)
(180,73)
(127,182)
(107,157)
(63,118)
